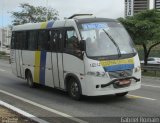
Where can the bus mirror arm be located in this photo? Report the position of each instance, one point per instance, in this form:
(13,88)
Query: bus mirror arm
(83,45)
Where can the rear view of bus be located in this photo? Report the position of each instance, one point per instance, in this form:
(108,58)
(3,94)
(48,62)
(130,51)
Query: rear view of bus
(82,55)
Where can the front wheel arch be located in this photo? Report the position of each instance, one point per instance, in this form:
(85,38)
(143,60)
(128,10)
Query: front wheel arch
(70,76)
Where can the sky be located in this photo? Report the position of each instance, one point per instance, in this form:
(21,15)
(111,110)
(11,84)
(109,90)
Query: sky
(66,8)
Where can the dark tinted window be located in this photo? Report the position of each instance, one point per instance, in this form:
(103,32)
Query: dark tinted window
(13,39)
(32,40)
(18,40)
(71,40)
(23,40)
(56,40)
(71,43)
(43,40)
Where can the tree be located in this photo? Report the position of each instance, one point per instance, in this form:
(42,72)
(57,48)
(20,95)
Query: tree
(32,14)
(144,29)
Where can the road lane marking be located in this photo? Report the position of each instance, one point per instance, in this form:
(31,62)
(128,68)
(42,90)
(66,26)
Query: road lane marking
(19,111)
(44,107)
(154,86)
(2,70)
(141,97)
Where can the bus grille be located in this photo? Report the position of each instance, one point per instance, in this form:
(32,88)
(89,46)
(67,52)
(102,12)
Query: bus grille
(120,74)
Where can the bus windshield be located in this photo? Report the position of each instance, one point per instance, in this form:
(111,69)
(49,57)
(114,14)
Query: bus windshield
(106,39)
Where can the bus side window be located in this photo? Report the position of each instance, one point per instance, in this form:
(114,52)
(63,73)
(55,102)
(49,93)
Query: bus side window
(32,40)
(56,39)
(43,40)
(71,43)
(13,40)
(53,40)
(17,40)
(23,40)
(71,40)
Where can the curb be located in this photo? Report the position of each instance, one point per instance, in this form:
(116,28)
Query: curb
(25,114)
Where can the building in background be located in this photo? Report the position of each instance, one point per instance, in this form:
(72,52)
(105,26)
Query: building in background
(5,38)
(129,8)
(157,4)
(140,5)
(134,6)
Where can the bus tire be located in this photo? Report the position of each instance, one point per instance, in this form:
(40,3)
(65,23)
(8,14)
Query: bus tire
(74,89)
(121,94)
(30,80)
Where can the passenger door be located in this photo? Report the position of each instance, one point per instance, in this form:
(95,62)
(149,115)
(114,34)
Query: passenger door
(72,55)
(57,57)
(46,76)
(18,52)
(13,54)
(19,62)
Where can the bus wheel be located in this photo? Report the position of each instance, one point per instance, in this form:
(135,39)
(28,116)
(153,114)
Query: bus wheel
(74,89)
(121,94)
(30,80)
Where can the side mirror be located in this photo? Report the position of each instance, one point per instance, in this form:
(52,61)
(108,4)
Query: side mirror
(83,45)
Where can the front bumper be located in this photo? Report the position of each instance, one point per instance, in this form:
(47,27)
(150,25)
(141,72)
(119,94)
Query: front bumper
(119,79)
(107,89)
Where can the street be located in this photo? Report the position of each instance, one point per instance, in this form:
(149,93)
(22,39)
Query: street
(55,106)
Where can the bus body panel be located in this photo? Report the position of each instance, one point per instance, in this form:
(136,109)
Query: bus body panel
(28,61)
(55,70)
(92,81)
(37,26)
(17,63)
(73,64)
(60,69)
(49,76)
(13,62)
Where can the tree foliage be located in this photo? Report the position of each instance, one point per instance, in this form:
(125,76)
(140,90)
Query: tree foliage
(144,29)
(32,14)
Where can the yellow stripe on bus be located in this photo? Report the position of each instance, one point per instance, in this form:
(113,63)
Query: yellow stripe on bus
(37,66)
(43,25)
(116,62)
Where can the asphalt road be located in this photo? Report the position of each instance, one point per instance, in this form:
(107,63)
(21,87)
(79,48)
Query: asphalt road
(144,102)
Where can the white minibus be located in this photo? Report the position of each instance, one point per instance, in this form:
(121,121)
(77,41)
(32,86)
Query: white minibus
(83,55)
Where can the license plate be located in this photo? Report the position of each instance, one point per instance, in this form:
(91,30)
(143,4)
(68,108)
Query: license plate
(124,82)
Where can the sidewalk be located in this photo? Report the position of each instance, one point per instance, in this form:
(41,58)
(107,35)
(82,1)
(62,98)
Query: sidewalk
(9,116)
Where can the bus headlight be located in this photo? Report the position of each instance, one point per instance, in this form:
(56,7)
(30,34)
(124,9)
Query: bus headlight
(98,74)
(137,69)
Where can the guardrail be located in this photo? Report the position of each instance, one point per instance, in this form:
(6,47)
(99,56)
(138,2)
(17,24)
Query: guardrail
(4,57)
(151,67)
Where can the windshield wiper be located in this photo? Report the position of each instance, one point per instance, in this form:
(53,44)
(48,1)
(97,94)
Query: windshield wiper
(113,41)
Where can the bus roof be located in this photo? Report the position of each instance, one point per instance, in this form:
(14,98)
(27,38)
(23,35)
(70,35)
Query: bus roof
(42,25)
(58,23)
